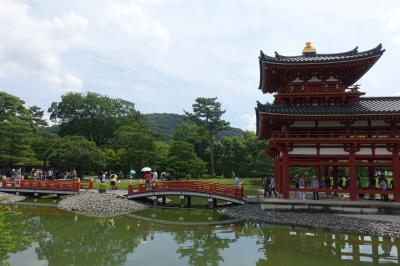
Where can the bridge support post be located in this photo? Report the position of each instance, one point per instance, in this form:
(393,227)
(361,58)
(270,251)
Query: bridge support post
(182,197)
(155,201)
(164,200)
(188,201)
(212,203)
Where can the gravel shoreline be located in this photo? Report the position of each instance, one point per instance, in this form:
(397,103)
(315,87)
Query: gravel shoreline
(6,198)
(96,204)
(314,220)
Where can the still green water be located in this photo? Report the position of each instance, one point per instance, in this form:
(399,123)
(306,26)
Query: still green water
(33,235)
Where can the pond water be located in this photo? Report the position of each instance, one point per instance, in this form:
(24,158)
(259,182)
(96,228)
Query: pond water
(33,235)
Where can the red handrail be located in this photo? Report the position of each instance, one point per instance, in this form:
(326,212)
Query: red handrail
(335,134)
(42,185)
(190,186)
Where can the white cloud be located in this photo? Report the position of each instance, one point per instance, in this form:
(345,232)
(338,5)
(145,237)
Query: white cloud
(33,46)
(250,120)
(132,19)
(67,82)
(391,19)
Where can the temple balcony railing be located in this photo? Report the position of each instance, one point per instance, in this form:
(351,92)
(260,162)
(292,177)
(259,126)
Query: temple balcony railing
(337,136)
(327,88)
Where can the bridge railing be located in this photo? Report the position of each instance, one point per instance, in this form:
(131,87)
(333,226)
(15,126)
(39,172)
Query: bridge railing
(42,185)
(189,186)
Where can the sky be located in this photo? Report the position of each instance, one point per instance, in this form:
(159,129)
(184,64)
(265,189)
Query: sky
(162,54)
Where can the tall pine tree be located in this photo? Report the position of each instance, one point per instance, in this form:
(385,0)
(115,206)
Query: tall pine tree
(207,113)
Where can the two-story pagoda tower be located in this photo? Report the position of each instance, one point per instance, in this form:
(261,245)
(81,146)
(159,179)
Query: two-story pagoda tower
(319,119)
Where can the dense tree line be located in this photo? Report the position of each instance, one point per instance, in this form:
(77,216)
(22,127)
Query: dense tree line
(92,132)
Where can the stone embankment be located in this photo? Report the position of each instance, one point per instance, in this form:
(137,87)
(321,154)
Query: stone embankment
(96,204)
(6,198)
(315,220)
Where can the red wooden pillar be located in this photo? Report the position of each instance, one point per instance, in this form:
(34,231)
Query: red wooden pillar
(396,174)
(353,176)
(335,174)
(285,174)
(371,169)
(319,170)
(278,173)
(326,171)
(278,181)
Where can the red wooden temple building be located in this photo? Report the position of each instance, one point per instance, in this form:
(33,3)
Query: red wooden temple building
(319,119)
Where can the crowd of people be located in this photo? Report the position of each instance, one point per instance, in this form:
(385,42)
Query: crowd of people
(39,174)
(329,183)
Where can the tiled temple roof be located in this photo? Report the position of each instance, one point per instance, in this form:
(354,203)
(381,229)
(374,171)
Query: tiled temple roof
(363,105)
(321,58)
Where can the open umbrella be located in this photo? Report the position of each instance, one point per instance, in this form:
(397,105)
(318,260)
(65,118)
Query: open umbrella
(146,169)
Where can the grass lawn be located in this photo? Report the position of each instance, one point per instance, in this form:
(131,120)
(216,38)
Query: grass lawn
(251,185)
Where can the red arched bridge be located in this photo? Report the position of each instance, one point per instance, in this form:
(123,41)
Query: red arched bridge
(186,189)
(44,186)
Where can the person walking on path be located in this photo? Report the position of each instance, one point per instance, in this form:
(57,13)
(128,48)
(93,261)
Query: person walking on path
(315,186)
(272,186)
(113,181)
(267,186)
(327,182)
(302,184)
(384,186)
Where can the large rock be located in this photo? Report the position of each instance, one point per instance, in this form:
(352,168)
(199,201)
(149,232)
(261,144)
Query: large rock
(6,198)
(105,204)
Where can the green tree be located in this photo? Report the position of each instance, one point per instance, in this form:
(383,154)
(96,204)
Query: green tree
(75,152)
(16,132)
(42,143)
(161,155)
(195,135)
(114,159)
(207,113)
(183,161)
(243,155)
(38,116)
(93,116)
(138,146)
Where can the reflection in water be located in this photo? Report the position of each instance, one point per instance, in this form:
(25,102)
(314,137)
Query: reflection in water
(14,232)
(62,238)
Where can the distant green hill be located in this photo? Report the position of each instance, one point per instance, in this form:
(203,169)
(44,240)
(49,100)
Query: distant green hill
(164,125)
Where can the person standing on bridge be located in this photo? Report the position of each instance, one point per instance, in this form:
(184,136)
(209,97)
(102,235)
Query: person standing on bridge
(155,175)
(147,178)
(236,180)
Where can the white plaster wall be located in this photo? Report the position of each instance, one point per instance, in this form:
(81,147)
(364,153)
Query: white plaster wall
(364,151)
(329,124)
(303,124)
(382,151)
(359,124)
(335,151)
(378,123)
(312,151)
